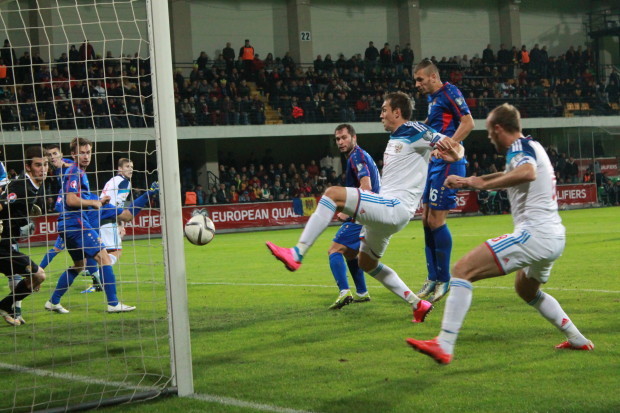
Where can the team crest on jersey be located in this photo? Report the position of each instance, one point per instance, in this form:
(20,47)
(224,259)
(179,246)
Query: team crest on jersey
(73,184)
(398,147)
(12,197)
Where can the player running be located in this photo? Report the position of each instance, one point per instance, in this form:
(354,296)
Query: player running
(404,173)
(448,114)
(537,241)
(22,199)
(361,173)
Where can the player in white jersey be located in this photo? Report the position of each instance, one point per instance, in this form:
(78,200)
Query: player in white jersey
(537,241)
(405,165)
(117,189)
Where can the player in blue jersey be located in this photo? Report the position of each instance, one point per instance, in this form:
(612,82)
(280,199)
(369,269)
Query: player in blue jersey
(81,238)
(530,251)
(447,114)
(59,164)
(405,163)
(361,173)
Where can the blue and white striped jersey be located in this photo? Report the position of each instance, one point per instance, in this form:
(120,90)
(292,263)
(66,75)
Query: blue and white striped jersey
(534,205)
(405,162)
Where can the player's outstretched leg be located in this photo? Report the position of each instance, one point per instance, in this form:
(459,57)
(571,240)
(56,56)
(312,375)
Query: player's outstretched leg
(551,309)
(319,220)
(388,277)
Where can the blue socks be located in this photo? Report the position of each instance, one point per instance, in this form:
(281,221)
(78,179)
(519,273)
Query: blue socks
(48,258)
(64,282)
(443,248)
(109,284)
(429,249)
(339,270)
(358,276)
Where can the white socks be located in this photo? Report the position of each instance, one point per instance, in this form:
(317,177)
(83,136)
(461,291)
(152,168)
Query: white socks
(388,277)
(457,305)
(319,220)
(549,308)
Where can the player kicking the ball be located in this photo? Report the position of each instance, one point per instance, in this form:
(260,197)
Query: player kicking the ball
(382,215)
(537,241)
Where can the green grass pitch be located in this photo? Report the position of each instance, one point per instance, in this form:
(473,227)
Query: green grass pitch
(264,340)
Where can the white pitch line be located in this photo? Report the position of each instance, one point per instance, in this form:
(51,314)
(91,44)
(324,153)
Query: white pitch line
(202,397)
(74,377)
(240,403)
(379,286)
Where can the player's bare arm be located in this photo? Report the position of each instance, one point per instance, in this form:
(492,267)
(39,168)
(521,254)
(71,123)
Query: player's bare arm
(520,175)
(465,127)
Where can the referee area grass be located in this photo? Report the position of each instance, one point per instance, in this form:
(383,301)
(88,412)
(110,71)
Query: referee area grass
(264,340)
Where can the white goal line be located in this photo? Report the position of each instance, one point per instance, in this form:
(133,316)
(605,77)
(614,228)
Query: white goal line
(227,401)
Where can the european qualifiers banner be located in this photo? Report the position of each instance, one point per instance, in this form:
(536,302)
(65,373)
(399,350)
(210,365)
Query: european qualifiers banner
(282,213)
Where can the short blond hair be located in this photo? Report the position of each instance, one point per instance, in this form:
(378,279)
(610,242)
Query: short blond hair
(507,116)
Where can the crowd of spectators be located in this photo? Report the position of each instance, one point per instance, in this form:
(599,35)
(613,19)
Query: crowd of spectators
(79,89)
(352,89)
(84,90)
(274,182)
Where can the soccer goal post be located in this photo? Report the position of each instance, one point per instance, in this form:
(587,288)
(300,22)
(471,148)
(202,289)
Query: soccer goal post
(100,70)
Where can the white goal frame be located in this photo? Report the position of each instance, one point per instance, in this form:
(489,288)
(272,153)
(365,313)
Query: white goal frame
(171,213)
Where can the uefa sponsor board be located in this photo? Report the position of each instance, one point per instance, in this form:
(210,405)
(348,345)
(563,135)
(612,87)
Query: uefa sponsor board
(275,214)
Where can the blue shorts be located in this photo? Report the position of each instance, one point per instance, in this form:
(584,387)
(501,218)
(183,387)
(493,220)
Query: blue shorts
(82,243)
(60,243)
(436,195)
(349,235)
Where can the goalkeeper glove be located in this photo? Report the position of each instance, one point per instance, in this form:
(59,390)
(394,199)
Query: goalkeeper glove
(154,189)
(26,230)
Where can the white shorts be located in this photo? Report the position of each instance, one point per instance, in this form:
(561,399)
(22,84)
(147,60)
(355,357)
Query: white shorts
(110,237)
(381,217)
(523,250)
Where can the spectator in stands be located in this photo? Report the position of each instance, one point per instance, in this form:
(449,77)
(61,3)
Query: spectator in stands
(201,196)
(385,56)
(488,57)
(408,58)
(190,198)
(228,53)
(222,196)
(571,171)
(246,54)
(371,54)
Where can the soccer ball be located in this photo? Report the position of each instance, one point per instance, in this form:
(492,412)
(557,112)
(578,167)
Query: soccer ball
(200,230)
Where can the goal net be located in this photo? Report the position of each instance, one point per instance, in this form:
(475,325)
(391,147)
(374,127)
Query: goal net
(86,68)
